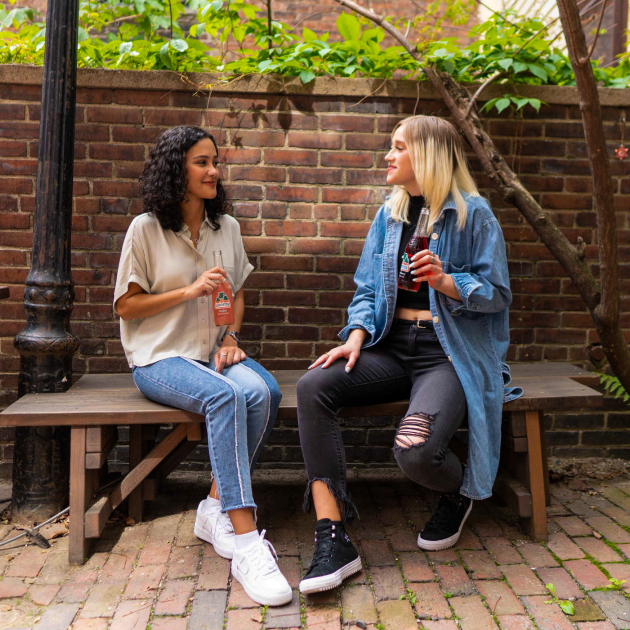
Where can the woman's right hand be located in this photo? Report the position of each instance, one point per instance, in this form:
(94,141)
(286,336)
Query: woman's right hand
(207,283)
(349,350)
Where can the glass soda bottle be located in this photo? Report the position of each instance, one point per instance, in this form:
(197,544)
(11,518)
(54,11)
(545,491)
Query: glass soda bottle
(222,298)
(417,243)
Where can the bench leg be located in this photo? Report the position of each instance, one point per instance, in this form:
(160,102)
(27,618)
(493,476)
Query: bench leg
(537,525)
(80,493)
(136,454)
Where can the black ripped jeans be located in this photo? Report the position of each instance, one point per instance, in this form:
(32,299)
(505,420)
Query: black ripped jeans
(409,362)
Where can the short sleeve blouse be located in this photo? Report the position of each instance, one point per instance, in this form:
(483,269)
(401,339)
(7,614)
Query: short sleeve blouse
(162,260)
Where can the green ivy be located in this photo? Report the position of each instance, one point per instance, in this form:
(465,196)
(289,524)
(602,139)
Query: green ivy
(231,38)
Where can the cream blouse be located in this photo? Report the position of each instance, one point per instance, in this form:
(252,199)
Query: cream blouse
(162,260)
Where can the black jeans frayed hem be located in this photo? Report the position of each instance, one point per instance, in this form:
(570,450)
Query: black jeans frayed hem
(347,509)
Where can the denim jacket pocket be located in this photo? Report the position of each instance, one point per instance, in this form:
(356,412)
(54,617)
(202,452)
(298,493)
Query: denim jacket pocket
(454,307)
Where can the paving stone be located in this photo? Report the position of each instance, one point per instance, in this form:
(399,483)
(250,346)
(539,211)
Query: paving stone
(144,581)
(625,549)
(468,540)
(102,600)
(430,602)
(377,553)
(43,594)
(537,556)
(287,616)
(244,619)
(117,568)
(546,616)
(609,529)
(615,606)
(574,526)
(523,580)
(290,567)
(12,587)
(598,549)
(473,615)
(78,585)
(455,580)
(482,523)
(439,625)
(58,617)
(55,568)
(481,564)
(358,604)
(132,615)
(208,610)
(564,547)
(586,610)
(388,583)
(183,562)
(323,619)
(619,572)
(500,598)
(587,574)
(502,551)
(566,587)
(91,624)
(516,622)
(415,567)
(595,625)
(169,623)
(174,597)
(397,615)
(238,598)
(28,564)
(403,539)
(446,556)
(154,553)
(214,574)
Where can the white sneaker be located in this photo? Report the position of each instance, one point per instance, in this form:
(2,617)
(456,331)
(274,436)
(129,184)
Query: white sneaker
(256,569)
(215,527)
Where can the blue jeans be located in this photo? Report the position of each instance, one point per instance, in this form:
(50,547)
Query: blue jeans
(240,406)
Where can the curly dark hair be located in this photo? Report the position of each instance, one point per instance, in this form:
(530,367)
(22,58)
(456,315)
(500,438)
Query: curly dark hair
(163,180)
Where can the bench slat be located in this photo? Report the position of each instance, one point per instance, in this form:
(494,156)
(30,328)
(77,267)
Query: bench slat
(89,401)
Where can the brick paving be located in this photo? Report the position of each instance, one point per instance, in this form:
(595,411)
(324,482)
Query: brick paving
(157,575)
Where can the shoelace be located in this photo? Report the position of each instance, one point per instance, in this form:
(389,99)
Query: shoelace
(225,523)
(442,517)
(264,556)
(324,540)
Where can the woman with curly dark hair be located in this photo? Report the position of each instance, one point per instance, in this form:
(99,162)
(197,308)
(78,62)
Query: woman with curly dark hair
(182,358)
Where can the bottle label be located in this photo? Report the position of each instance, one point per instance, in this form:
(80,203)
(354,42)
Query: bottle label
(405,263)
(222,300)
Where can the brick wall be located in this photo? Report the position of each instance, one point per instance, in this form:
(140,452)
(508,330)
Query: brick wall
(305,172)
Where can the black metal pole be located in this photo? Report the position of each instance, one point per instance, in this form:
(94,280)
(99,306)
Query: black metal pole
(46,344)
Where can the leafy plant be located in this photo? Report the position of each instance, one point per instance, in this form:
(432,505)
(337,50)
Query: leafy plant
(410,595)
(615,584)
(567,606)
(614,387)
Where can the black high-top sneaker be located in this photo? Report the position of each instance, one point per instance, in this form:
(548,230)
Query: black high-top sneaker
(443,529)
(335,558)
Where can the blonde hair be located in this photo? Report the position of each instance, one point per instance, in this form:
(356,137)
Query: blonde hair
(439,164)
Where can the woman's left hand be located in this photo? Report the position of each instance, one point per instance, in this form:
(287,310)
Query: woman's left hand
(229,354)
(430,265)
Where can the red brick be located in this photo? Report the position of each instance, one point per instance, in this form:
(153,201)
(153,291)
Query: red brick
(481,564)
(473,615)
(564,584)
(144,581)
(587,574)
(315,140)
(573,526)
(339,122)
(547,616)
(12,587)
(19,129)
(257,173)
(522,579)
(291,193)
(429,600)
(315,176)
(317,246)
(131,615)
(352,159)
(128,152)
(123,115)
(537,556)
(344,230)
(239,156)
(291,157)
(287,298)
(500,597)
(174,597)
(287,263)
(28,564)
(598,549)
(242,620)
(136,134)
(563,547)
(246,138)
(12,149)
(290,228)
(347,195)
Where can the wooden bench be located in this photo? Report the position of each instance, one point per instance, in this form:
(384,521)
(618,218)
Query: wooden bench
(97,404)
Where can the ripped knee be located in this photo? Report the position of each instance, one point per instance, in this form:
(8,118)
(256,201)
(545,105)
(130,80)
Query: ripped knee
(414,430)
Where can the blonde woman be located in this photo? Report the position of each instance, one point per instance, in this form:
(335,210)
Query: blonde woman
(443,346)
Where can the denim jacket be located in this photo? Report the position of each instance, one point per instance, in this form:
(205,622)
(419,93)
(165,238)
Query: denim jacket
(474,332)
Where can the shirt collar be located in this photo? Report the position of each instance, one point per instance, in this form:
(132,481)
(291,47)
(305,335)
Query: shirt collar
(184,231)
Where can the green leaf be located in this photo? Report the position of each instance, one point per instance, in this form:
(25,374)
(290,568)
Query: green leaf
(551,588)
(125,47)
(538,71)
(306,76)
(535,103)
(519,66)
(567,607)
(502,103)
(179,45)
(308,35)
(349,27)
(505,63)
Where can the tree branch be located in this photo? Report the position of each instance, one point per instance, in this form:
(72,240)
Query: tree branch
(589,54)
(481,88)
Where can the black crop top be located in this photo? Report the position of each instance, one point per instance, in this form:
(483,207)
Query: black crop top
(417,300)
